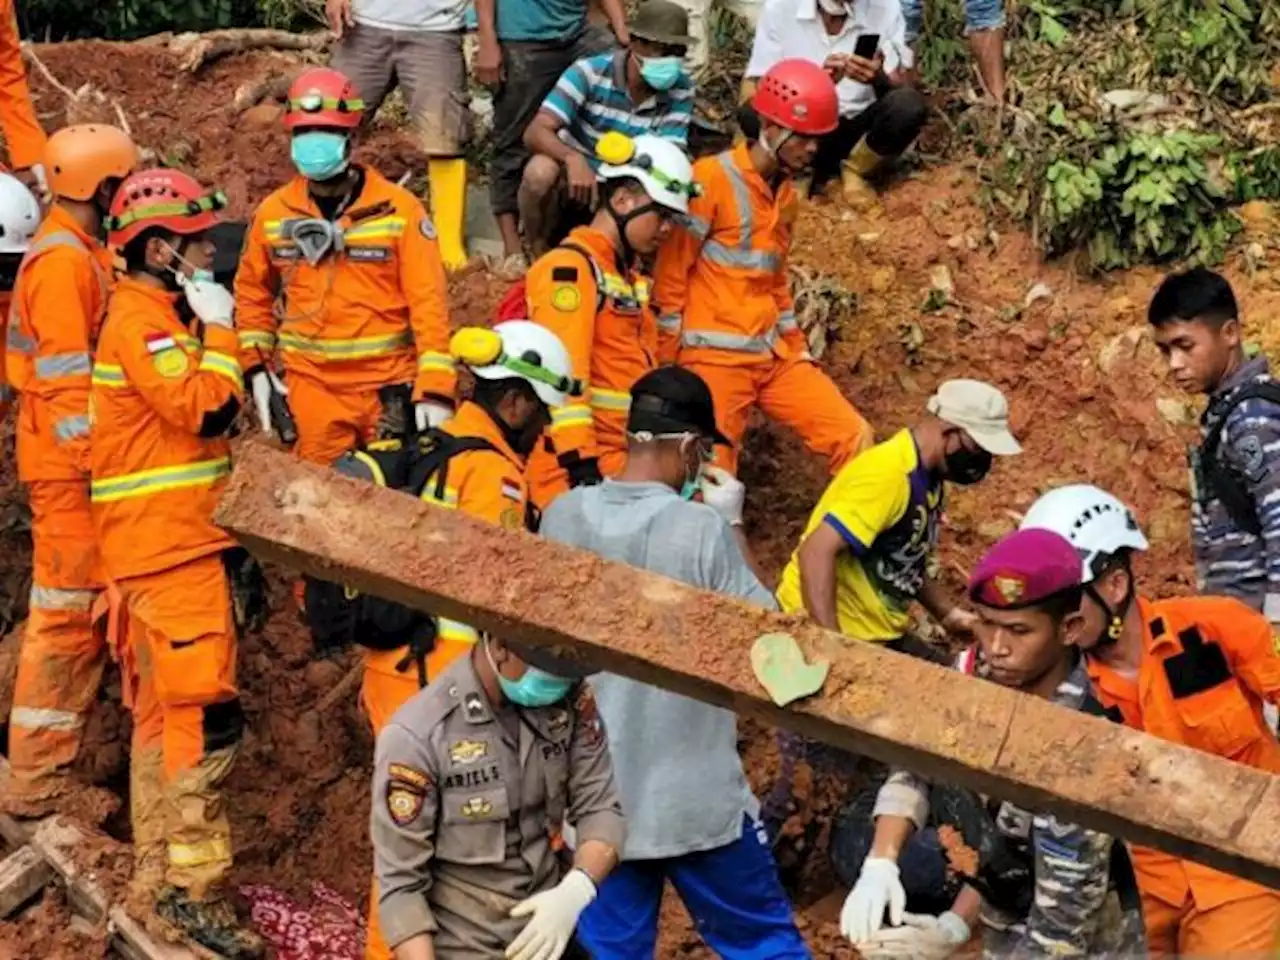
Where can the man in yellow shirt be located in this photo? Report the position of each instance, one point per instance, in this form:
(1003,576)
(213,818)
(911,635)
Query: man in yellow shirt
(864,554)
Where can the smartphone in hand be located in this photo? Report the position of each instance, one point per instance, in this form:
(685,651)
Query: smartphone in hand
(867,45)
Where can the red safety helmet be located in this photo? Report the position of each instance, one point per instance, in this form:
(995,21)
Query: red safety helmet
(799,95)
(162,198)
(323,97)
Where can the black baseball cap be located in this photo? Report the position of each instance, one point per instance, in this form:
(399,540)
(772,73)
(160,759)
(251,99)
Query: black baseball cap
(673,400)
(544,659)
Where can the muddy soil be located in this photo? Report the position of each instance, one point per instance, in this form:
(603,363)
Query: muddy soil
(1087,389)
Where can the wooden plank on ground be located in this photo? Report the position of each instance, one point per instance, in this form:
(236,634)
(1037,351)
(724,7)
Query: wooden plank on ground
(876,702)
(23,874)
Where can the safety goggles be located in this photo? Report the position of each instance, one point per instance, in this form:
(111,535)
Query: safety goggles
(535,371)
(210,202)
(318,102)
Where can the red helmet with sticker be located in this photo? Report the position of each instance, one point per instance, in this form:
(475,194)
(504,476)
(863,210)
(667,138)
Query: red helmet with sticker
(323,97)
(799,95)
(162,198)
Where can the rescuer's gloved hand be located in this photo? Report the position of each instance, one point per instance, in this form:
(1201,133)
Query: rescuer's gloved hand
(920,937)
(879,885)
(722,490)
(553,916)
(431,413)
(210,301)
(260,387)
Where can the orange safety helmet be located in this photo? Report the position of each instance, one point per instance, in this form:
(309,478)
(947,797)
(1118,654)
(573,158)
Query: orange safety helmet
(799,95)
(78,159)
(162,198)
(323,97)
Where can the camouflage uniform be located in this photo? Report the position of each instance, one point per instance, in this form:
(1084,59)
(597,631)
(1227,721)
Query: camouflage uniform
(1083,901)
(1230,561)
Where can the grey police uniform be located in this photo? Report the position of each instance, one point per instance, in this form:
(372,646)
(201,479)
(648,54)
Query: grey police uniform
(468,806)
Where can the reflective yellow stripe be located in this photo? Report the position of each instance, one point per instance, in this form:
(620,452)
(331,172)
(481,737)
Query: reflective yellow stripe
(187,342)
(435,361)
(109,375)
(223,366)
(355,348)
(602,399)
(213,850)
(382,227)
(145,483)
(454,630)
(254,339)
(450,499)
(574,416)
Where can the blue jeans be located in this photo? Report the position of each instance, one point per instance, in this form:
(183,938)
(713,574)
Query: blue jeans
(732,893)
(978,15)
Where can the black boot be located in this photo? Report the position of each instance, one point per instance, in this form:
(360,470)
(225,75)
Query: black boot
(211,923)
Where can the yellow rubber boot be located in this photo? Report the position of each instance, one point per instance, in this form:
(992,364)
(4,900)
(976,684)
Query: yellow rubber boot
(860,164)
(448,179)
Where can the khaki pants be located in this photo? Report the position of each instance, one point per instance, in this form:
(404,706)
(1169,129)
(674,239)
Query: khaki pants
(431,71)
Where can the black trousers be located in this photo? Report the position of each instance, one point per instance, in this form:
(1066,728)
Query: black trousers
(890,125)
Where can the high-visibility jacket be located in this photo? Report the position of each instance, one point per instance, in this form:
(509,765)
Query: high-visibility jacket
(59,301)
(23,134)
(162,405)
(612,340)
(371,313)
(6,391)
(1208,666)
(720,284)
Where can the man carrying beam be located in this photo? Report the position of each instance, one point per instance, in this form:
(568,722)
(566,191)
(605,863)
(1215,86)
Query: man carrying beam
(1041,886)
(692,818)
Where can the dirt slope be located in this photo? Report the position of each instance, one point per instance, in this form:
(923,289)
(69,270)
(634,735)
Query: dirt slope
(1083,379)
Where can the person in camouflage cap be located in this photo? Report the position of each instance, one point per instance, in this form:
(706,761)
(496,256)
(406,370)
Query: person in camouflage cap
(1040,886)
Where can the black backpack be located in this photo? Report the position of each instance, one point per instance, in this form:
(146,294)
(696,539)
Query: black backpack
(1216,477)
(340,616)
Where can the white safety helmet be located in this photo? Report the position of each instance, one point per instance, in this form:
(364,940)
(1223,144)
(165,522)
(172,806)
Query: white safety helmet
(19,215)
(519,349)
(1095,522)
(661,167)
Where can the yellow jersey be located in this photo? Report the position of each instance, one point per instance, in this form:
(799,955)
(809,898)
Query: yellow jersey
(886,506)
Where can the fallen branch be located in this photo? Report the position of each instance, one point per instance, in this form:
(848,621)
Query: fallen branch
(274,87)
(199,49)
(86,105)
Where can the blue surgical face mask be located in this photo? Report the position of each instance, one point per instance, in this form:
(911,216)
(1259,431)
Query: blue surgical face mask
(661,73)
(319,154)
(536,688)
(198,274)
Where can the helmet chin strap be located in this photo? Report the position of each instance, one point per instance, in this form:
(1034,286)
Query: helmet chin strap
(620,220)
(1115,623)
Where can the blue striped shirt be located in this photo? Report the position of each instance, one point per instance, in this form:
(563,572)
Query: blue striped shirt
(591,99)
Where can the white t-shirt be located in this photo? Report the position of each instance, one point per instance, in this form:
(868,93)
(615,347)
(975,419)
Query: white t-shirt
(431,15)
(794,28)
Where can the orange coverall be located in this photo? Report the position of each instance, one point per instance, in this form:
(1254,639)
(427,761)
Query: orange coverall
(162,404)
(373,314)
(1208,667)
(22,132)
(612,345)
(58,303)
(725,312)
(483,483)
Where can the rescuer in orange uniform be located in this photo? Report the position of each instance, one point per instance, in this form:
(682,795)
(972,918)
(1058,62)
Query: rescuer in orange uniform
(724,301)
(474,463)
(591,293)
(341,274)
(19,218)
(1192,670)
(59,300)
(22,132)
(166,391)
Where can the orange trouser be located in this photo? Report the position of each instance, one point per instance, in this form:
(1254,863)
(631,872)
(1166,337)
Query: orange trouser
(1240,928)
(383,691)
(796,393)
(331,422)
(181,686)
(62,656)
(547,479)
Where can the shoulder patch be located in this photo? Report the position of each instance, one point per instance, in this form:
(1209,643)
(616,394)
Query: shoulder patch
(589,715)
(403,804)
(427,228)
(564,274)
(1249,457)
(170,363)
(409,776)
(566,298)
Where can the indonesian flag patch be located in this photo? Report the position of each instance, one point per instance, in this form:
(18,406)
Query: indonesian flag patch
(157,342)
(511,490)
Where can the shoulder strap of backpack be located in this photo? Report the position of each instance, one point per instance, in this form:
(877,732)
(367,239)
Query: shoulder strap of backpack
(438,448)
(596,273)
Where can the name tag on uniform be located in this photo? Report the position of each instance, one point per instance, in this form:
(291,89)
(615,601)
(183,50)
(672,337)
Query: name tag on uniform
(369,254)
(285,253)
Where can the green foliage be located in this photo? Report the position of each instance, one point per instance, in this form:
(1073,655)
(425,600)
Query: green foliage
(1137,196)
(126,19)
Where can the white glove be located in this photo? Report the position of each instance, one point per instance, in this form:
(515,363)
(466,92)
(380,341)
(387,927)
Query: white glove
(919,937)
(260,386)
(428,413)
(878,886)
(211,302)
(722,490)
(42,183)
(555,914)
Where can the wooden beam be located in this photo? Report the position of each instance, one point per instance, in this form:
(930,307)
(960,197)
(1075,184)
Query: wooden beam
(23,874)
(875,702)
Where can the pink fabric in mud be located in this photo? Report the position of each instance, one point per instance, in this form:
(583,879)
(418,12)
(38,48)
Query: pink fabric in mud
(329,929)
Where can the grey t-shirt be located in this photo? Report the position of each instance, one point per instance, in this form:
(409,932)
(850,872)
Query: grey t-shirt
(675,759)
